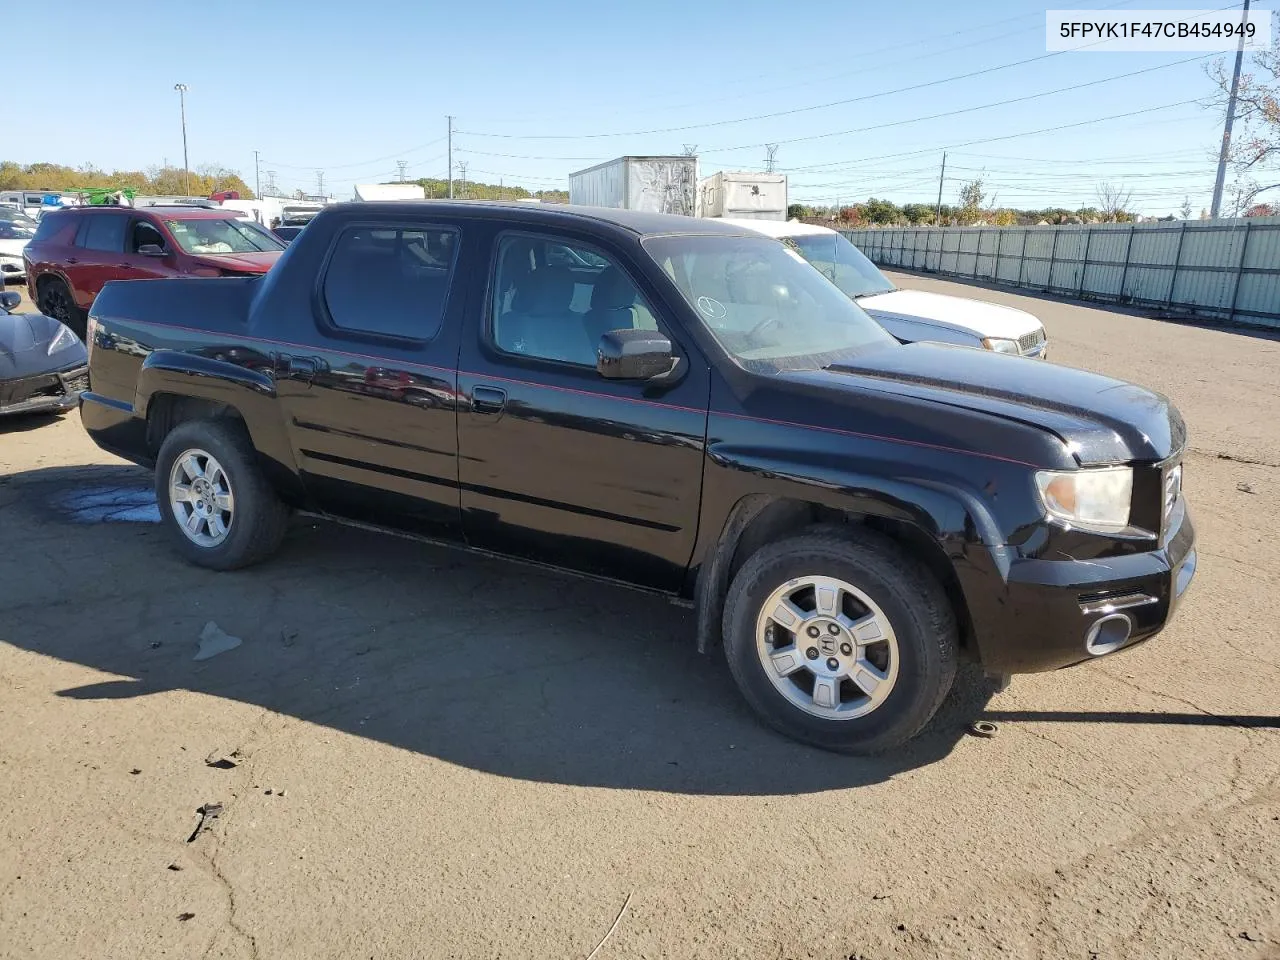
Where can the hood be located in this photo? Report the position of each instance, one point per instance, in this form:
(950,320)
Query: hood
(977,316)
(257,262)
(1100,419)
(24,346)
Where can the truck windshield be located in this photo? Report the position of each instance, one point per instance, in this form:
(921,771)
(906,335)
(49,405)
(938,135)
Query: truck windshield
(842,263)
(761,300)
(221,235)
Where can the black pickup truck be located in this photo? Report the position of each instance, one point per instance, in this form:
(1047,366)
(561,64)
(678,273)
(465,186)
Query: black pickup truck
(673,404)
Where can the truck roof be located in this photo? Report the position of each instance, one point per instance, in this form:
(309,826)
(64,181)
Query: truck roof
(639,222)
(780,228)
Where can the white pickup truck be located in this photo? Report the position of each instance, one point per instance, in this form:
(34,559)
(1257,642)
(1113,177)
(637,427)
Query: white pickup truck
(909,315)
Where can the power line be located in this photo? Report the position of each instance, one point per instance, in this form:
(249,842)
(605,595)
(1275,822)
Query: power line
(973,109)
(1007,136)
(823,106)
(360,163)
(843,74)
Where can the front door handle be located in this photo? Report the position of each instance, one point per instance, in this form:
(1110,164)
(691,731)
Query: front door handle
(488,399)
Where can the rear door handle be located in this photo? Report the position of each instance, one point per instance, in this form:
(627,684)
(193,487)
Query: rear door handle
(73,260)
(299,368)
(488,399)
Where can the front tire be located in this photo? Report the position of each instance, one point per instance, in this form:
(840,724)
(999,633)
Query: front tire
(219,509)
(839,639)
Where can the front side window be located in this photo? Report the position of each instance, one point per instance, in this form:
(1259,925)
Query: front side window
(102,231)
(220,235)
(390,281)
(842,263)
(554,300)
(762,301)
(143,234)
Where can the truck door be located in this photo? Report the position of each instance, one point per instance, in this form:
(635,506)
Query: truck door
(556,463)
(369,394)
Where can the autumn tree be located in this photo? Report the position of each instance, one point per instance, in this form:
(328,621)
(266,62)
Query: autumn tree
(157,180)
(1113,202)
(971,196)
(1254,154)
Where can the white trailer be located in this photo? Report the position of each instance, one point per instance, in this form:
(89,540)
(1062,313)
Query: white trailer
(389,191)
(655,184)
(745,196)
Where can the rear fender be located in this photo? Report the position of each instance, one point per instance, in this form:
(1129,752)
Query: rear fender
(251,393)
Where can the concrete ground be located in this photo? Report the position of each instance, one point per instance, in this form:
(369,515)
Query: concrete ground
(421,754)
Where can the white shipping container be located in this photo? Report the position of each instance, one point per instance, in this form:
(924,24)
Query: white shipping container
(745,196)
(655,184)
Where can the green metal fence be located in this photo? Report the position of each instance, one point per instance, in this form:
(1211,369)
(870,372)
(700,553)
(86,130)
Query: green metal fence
(1215,269)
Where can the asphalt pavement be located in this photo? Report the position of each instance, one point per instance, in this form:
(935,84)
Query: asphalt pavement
(417,753)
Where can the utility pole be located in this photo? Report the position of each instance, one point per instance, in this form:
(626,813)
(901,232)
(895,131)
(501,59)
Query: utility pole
(450,119)
(462,170)
(937,212)
(770,156)
(1231,116)
(690,149)
(320,183)
(271,183)
(402,164)
(257,180)
(186,167)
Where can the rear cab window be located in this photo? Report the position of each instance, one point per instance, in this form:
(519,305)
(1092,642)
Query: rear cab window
(389,282)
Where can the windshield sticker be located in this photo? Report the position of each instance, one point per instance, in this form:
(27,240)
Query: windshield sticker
(712,309)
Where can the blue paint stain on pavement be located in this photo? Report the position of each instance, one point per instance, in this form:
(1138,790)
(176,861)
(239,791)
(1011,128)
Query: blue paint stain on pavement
(109,504)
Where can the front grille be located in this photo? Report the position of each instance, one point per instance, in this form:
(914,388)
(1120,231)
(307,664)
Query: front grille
(1171,493)
(1030,341)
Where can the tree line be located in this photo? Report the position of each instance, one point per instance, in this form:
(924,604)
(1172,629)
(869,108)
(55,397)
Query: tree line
(161,181)
(437,188)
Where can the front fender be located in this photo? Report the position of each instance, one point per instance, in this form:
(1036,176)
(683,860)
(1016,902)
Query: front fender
(952,524)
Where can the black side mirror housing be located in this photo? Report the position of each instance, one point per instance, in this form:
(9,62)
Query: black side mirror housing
(633,355)
(10,300)
(151,250)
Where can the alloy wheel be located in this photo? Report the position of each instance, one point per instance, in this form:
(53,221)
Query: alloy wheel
(200,497)
(827,647)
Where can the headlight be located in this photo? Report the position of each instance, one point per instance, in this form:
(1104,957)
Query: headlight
(64,339)
(1091,499)
(1001,346)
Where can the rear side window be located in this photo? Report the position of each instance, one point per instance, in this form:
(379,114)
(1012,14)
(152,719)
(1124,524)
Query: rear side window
(102,231)
(49,225)
(390,281)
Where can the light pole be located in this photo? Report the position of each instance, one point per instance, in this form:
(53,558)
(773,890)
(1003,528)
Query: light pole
(186,167)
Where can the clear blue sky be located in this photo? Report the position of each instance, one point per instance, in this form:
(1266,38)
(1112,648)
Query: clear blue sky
(350,88)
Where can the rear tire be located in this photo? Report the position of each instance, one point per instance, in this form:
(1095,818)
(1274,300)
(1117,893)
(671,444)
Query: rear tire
(839,639)
(56,300)
(217,505)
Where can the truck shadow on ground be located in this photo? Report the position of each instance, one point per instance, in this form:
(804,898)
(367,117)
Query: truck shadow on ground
(490,665)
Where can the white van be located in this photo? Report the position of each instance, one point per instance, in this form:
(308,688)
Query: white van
(907,314)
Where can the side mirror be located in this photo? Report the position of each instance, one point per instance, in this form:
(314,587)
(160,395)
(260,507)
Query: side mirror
(633,355)
(10,300)
(151,250)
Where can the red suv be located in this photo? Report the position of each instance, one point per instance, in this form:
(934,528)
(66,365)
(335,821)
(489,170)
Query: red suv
(78,249)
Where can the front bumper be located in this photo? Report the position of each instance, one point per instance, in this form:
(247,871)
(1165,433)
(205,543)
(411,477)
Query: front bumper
(1055,613)
(54,392)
